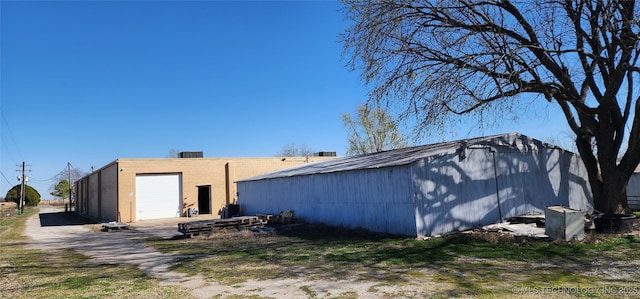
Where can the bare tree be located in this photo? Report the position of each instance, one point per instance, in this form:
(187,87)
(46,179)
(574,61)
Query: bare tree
(564,139)
(293,150)
(173,153)
(372,130)
(438,59)
(71,172)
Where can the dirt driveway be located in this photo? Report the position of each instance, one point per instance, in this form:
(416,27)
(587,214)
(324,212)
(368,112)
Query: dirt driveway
(50,230)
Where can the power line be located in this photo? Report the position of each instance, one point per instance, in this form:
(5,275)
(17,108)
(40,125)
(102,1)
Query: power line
(6,125)
(64,170)
(42,181)
(60,173)
(5,178)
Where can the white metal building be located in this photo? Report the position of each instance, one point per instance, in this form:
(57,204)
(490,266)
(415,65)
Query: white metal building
(426,190)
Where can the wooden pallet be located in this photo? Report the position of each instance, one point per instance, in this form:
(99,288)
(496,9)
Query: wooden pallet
(111,226)
(193,228)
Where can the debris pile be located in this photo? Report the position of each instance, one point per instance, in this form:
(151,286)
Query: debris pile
(526,225)
(259,221)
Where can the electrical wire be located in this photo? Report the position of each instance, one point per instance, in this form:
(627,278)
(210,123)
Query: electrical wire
(41,181)
(5,178)
(6,125)
(60,173)
(49,179)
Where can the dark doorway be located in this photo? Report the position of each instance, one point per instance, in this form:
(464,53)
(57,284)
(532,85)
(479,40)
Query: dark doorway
(204,199)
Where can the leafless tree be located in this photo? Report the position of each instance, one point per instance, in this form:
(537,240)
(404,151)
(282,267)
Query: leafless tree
(75,175)
(372,130)
(438,59)
(293,150)
(173,153)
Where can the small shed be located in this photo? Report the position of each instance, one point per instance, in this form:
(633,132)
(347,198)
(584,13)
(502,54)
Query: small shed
(426,190)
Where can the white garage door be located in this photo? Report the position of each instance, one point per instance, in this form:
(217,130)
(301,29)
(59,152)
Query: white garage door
(158,196)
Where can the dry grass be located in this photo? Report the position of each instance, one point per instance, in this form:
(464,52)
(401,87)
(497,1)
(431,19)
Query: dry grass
(56,202)
(8,210)
(481,265)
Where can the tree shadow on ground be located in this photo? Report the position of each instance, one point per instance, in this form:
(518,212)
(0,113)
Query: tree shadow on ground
(63,219)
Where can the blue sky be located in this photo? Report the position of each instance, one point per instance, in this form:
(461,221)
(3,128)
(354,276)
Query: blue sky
(88,82)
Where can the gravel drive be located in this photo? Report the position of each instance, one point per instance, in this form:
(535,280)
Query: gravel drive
(50,230)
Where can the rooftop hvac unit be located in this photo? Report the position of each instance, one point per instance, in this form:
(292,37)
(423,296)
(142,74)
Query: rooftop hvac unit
(190,155)
(326,154)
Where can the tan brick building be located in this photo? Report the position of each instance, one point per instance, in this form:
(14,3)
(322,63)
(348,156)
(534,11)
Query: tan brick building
(128,190)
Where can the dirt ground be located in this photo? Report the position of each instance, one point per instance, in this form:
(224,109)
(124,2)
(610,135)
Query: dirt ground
(50,231)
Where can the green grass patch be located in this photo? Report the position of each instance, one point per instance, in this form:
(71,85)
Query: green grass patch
(307,291)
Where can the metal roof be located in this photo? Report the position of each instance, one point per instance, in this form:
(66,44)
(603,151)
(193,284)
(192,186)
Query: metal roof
(408,155)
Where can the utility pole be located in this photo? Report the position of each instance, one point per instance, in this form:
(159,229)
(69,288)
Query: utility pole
(23,180)
(70,188)
(21,204)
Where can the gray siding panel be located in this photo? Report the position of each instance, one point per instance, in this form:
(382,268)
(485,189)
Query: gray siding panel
(580,197)
(530,182)
(378,200)
(454,195)
(459,186)
(109,193)
(633,191)
(92,202)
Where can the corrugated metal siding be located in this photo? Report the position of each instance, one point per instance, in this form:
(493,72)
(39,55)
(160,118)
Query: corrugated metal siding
(530,182)
(633,191)
(440,193)
(454,195)
(580,197)
(378,200)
